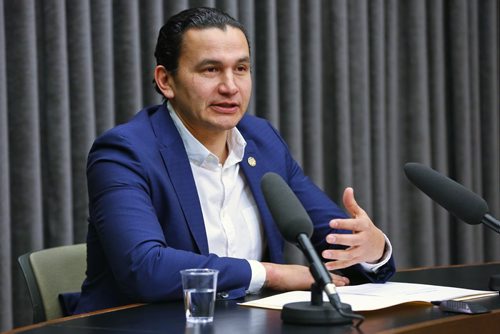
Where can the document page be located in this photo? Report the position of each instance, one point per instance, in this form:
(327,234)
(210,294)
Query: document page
(373,296)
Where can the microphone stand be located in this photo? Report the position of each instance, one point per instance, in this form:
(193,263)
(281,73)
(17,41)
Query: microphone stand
(317,312)
(491,222)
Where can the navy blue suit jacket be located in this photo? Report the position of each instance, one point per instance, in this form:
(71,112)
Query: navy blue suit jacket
(145,218)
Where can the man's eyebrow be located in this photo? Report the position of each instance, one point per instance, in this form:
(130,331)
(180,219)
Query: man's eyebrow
(245,59)
(209,61)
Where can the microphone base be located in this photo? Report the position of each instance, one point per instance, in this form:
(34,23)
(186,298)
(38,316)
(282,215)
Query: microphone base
(305,313)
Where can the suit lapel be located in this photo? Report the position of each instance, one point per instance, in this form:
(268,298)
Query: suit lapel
(254,167)
(180,174)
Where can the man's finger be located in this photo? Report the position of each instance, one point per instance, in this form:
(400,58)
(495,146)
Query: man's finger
(348,254)
(344,239)
(340,264)
(339,280)
(350,203)
(350,224)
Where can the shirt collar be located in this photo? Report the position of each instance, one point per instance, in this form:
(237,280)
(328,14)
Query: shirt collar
(199,154)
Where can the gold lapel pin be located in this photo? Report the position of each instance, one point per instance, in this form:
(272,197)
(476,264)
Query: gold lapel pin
(251,161)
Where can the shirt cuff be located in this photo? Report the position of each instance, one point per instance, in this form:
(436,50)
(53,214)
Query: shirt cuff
(373,267)
(258,277)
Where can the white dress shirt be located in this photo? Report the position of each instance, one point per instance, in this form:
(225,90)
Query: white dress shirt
(232,220)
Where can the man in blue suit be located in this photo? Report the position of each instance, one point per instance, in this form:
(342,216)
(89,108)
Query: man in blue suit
(178,186)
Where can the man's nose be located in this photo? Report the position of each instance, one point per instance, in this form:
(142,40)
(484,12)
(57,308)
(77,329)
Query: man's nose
(228,84)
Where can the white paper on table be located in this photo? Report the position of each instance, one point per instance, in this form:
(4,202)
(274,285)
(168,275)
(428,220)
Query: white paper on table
(373,296)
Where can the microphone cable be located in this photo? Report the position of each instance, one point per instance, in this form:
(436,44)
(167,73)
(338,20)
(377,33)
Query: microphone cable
(337,304)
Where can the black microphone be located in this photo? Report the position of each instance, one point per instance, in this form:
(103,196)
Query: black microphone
(294,224)
(454,197)
(296,227)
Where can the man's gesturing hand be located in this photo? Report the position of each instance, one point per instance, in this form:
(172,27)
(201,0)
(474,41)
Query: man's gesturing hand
(365,244)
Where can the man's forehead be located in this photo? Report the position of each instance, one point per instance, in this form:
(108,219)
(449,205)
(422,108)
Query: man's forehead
(196,41)
(198,35)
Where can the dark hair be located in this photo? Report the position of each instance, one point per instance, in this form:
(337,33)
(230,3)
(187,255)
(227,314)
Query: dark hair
(168,46)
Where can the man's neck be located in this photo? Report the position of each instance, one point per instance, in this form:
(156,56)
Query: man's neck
(214,141)
(216,144)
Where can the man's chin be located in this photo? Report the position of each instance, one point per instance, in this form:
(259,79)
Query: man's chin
(228,122)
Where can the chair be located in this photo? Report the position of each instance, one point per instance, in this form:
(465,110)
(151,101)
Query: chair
(52,271)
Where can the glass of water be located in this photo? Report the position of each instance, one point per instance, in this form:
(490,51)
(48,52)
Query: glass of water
(199,287)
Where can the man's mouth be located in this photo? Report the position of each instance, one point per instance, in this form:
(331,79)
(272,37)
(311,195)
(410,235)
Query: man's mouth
(226,107)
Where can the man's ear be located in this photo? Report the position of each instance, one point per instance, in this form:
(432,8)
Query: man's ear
(164,81)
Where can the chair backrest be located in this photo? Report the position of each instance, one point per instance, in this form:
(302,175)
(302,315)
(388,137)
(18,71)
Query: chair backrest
(50,272)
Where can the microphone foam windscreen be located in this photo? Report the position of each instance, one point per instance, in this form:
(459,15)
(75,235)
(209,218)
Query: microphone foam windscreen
(451,195)
(286,209)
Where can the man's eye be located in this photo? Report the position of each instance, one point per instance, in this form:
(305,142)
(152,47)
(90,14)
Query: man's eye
(211,69)
(242,68)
